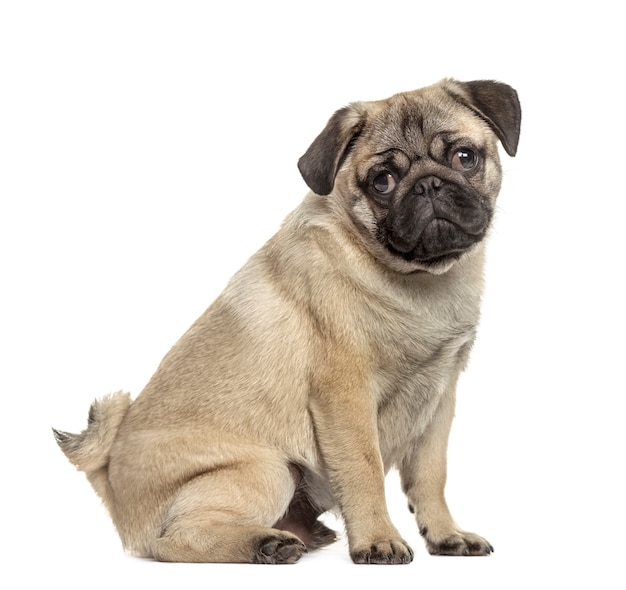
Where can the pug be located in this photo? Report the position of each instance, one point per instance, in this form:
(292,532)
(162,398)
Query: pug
(330,358)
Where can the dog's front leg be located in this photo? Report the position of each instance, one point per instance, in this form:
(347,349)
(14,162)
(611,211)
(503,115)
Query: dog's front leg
(423,472)
(344,416)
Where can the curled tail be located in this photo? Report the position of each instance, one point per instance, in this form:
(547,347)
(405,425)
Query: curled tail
(90,449)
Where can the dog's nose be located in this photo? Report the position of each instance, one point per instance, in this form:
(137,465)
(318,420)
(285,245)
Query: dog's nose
(428,185)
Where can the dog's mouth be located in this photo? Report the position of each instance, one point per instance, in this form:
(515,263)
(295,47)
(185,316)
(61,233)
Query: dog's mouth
(439,240)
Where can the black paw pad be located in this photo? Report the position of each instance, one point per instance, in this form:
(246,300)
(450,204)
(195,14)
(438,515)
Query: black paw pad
(279,550)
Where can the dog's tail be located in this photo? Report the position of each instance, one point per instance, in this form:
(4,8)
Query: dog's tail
(90,449)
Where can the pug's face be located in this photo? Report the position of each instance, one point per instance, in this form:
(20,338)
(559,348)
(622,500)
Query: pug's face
(419,173)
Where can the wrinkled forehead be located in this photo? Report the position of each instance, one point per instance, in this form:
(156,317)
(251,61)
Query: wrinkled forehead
(413,121)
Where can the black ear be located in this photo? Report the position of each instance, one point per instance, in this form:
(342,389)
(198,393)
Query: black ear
(320,163)
(499,106)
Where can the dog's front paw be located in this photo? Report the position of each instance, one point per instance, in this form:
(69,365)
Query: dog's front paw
(457,543)
(386,552)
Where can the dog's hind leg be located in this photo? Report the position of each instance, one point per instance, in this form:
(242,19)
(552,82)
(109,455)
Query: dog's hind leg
(227,515)
(302,517)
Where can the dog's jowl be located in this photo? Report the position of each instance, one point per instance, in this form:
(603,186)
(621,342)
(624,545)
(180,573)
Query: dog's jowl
(330,358)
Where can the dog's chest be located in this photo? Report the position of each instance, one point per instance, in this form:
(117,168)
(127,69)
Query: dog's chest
(417,358)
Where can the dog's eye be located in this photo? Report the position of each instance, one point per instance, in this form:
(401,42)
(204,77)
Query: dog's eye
(464,160)
(384,183)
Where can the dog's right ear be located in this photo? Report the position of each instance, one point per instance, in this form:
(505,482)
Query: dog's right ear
(321,162)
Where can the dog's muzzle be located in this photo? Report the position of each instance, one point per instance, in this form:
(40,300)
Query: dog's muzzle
(435,220)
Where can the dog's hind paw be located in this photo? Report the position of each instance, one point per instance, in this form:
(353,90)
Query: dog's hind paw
(279,549)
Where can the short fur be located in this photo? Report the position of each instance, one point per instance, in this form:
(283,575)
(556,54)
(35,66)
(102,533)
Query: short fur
(331,356)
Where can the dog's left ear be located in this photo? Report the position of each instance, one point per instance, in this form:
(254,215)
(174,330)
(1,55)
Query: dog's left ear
(498,105)
(321,162)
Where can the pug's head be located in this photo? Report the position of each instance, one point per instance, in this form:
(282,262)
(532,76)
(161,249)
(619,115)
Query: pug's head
(418,173)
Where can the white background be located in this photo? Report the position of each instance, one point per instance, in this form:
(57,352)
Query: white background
(148,148)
